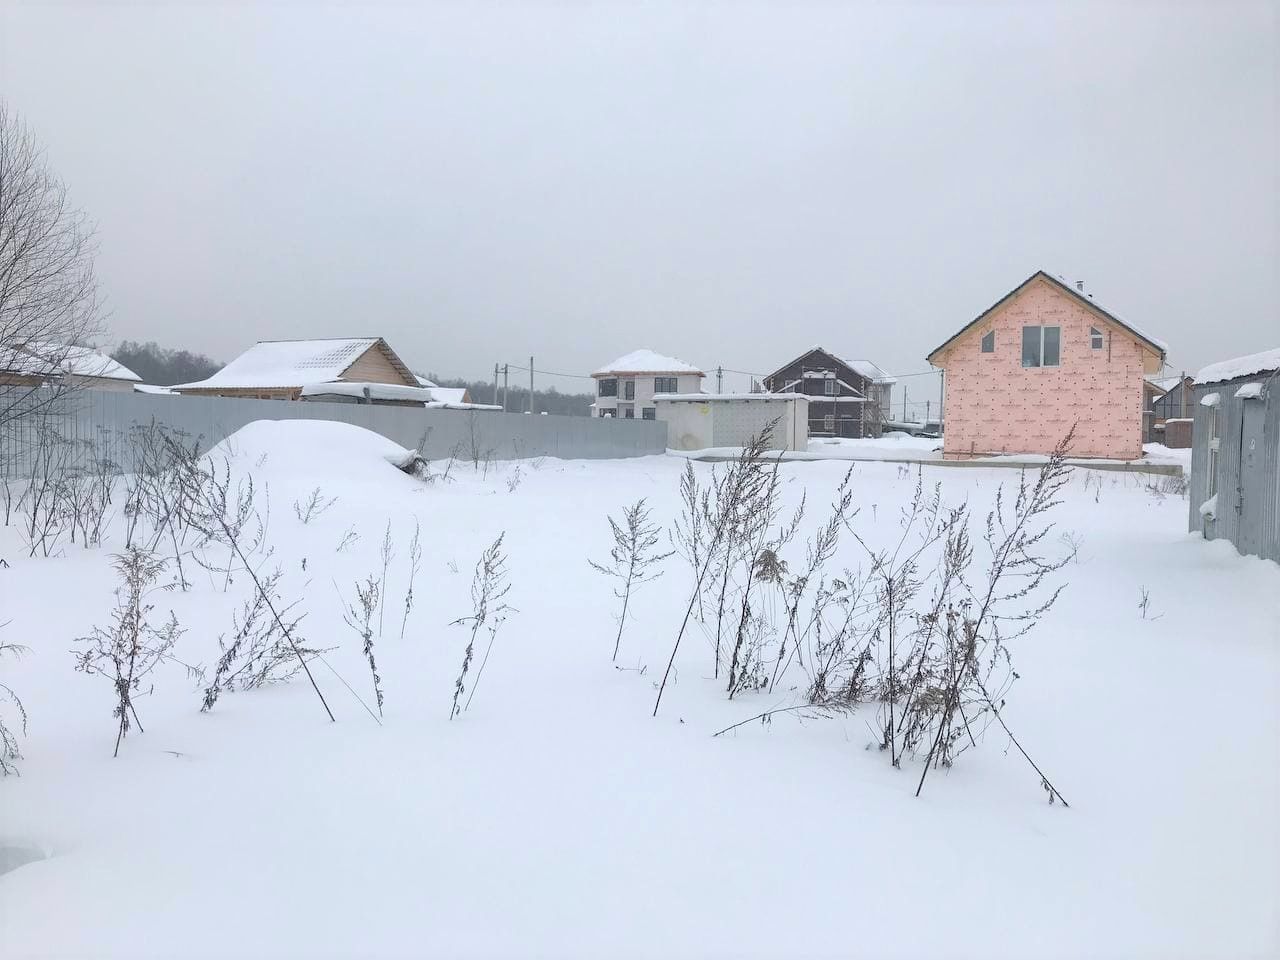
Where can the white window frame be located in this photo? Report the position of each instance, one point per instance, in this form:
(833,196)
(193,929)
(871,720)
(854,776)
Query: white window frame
(829,422)
(829,387)
(1042,328)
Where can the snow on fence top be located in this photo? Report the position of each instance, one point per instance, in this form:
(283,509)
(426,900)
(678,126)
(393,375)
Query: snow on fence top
(288,363)
(1209,400)
(1246,366)
(1249,391)
(646,361)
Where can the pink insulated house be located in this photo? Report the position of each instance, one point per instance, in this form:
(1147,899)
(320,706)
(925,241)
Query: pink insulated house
(1042,358)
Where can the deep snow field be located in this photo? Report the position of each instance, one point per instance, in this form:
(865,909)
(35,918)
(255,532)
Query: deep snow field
(557,817)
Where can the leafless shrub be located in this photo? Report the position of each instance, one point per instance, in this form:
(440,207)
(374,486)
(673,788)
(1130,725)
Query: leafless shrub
(221,511)
(10,730)
(359,617)
(387,553)
(1144,605)
(348,539)
(314,506)
(633,560)
(127,650)
(737,487)
(489,587)
(415,561)
(259,651)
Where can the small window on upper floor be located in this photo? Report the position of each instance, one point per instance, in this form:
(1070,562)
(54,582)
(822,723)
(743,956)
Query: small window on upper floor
(989,342)
(1095,338)
(829,386)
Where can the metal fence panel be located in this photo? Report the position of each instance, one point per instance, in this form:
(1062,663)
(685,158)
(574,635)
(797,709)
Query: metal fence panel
(105,418)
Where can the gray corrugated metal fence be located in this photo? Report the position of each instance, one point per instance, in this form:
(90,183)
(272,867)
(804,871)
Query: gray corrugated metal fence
(1248,490)
(105,418)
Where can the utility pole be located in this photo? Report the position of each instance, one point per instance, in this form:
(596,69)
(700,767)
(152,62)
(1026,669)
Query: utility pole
(719,379)
(1182,392)
(531,385)
(904,404)
(927,404)
(495,384)
(505,384)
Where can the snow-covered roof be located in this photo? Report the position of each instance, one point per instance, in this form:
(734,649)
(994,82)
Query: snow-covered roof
(1063,284)
(1247,366)
(646,361)
(153,389)
(376,391)
(42,358)
(423,381)
(863,368)
(287,363)
(448,394)
(1164,384)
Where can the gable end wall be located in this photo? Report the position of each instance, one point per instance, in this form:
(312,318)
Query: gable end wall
(994,405)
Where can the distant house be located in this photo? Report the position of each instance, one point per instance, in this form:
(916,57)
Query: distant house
(1043,358)
(54,364)
(1235,454)
(847,398)
(626,387)
(283,369)
(1171,400)
(452,395)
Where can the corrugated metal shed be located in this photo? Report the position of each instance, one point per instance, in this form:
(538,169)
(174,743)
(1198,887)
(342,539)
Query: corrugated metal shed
(1247,508)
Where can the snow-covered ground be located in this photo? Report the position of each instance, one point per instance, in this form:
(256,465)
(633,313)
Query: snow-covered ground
(558,818)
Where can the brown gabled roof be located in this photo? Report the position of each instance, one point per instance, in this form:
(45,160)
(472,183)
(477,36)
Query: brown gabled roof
(1157,345)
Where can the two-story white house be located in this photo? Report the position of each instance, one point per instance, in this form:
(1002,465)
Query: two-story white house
(626,387)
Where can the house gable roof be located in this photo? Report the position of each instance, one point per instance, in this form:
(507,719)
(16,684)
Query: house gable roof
(297,363)
(46,358)
(863,368)
(646,361)
(1158,346)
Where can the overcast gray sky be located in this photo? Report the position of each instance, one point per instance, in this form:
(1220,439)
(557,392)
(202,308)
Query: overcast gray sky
(727,183)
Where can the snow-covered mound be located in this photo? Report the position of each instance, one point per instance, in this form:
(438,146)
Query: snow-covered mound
(321,449)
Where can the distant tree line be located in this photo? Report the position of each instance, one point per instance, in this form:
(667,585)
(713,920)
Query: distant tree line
(550,400)
(155,364)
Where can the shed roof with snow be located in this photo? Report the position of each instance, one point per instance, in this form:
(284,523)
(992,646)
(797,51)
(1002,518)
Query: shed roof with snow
(1267,361)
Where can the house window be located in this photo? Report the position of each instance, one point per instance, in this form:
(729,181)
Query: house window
(1095,338)
(609,387)
(829,386)
(665,385)
(628,413)
(829,422)
(649,413)
(1041,346)
(989,342)
(628,390)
